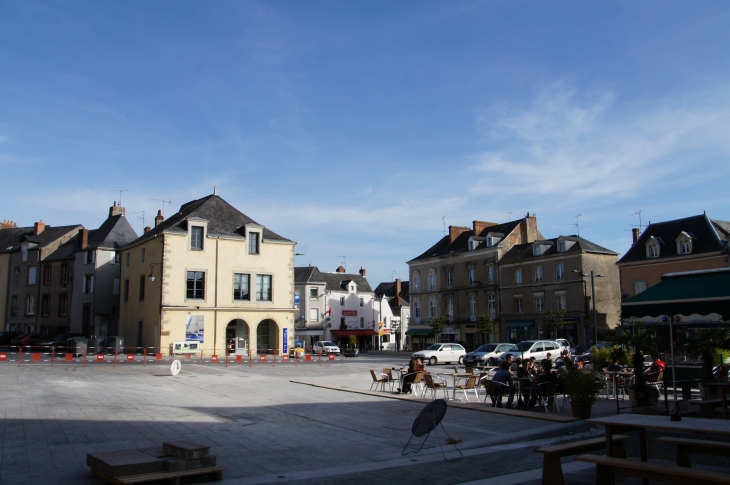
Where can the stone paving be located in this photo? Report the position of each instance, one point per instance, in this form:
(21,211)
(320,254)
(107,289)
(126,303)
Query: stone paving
(259,424)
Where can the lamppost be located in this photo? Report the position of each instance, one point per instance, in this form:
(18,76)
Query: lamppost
(593,299)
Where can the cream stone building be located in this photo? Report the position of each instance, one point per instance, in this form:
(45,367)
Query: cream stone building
(208,274)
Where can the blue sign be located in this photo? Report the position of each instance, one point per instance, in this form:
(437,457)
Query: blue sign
(296,298)
(286,340)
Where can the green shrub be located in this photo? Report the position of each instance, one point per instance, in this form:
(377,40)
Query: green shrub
(583,387)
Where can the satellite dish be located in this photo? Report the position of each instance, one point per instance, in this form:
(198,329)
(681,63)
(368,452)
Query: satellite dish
(175,367)
(429,418)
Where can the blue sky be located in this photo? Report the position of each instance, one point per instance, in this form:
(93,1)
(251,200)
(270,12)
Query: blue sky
(353,128)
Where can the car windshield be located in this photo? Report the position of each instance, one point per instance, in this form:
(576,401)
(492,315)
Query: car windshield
(434,347)
(486,348)
(522,346)
(328,344)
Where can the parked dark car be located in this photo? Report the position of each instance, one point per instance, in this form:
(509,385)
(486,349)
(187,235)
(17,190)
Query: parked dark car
(26,339)
(6,337)
(60,341)
(586,357)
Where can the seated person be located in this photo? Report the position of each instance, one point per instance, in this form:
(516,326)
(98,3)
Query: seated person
(561,361)
(541,382)
(503,385)
(615,366)
(657,366)
(410,375)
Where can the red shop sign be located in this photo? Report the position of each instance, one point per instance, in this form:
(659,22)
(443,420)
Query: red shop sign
(349,313)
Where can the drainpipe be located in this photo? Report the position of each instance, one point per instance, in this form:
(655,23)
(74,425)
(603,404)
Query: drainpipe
(215,311)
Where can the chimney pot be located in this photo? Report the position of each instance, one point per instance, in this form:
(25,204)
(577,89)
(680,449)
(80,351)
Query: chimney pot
(147,229)
(158,217)
(636,233)
(83,238)
(363,272)
(116,210)
(38,227)
(340,269)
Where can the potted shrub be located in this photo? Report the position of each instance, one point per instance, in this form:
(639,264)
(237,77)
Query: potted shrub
(583,388)
(639,340)
(706,345)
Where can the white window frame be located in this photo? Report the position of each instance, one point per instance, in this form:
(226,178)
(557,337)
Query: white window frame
(639,286)
(472,307)
(314,314)
(449,281)
(561,246)
(491,305)
(431,308)
(240,289)
(472,276)
(537,250)
(518,306)
(431,280)
(539,304)
(559,271)
(518,277)
(537,274)
(560,302)
(260,280)
(490,274)
(416,282)
(417,310)
(195,244)
(30,305)
(362,301)
(254,239)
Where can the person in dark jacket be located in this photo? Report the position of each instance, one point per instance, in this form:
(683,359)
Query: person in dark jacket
(504,385)
(544,377)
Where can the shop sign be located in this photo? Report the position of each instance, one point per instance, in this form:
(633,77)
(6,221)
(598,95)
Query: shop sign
(386,331)
(349,313)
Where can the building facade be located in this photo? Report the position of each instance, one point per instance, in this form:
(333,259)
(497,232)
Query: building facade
(458,279)
(309,314)
(204,274)
(691,244)
(553,275)
(395,313)
(351,309)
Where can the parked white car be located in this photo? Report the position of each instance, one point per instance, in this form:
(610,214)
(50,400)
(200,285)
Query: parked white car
(487,354)
(533,348)
(441,353)
(564,344)
(325,347)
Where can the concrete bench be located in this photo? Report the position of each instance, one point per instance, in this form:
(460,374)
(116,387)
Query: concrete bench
(214,473)
(607,468)
(687,446)
(552,470)
(707,408)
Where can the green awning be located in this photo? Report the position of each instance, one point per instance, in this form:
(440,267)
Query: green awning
(421,332)
(696,292)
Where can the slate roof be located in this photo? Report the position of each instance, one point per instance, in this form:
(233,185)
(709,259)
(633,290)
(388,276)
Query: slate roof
(11,239)
(524,251)
(339,282)
(114,233)
(307,274)
(223,220)
(65,251)
(461,243)
(387,289)
(707,236)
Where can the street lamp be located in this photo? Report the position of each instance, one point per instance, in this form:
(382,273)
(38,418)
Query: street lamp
(152,271)
(593,298)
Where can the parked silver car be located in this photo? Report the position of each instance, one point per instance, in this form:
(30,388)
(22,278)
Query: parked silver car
(444,353)
(533,348)
(487,354)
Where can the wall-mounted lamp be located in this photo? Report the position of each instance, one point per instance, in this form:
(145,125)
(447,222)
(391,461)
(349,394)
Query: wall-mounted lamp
(152,271)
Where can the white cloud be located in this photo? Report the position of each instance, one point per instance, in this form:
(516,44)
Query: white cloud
(590,145)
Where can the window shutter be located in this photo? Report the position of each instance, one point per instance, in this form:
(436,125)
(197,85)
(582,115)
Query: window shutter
(91,279)
(115,287)
(83,289)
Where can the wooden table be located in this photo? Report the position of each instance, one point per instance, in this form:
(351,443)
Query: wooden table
(641,422)
(724,388)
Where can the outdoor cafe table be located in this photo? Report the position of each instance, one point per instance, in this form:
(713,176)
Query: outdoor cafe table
(641,422)
(456,375)
(724,388)
(401,371)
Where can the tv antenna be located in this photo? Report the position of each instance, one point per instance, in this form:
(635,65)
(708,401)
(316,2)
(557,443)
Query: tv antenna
(638,213)
(344,262)
(141,217)
(392,275)
(577,224)
(168,202)
(443,219)
(509,215)
(120,194)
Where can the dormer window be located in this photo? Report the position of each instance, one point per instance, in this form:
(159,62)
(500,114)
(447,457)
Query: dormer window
(490,241)
(253,243)
(561,246)
(196,237)
(536,250)
(653,251)
(472,244)
(684,243)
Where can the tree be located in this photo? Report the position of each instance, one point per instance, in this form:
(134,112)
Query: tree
(485,325)
(554,321)
(438,325)
(352,341)
(705,344)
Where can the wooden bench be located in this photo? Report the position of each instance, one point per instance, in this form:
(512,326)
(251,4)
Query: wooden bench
(173,478)
(607,468)
(707,408)
(687,446)
(552,470)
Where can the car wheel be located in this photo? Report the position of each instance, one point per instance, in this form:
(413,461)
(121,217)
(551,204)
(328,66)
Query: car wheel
(461,360)
(432,361)
(491,361)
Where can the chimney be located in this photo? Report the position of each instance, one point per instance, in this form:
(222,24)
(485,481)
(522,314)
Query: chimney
(398,288)
(83,238)
(147,229)
(456,231)
(529,229)
(340,269)
(479,226)
(362,272)
(117,210)
(158,217)
(636,233)
(6,224)
(38,227)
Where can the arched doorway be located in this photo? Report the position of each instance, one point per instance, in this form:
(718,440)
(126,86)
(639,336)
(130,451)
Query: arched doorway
(267,333)
(237,333)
